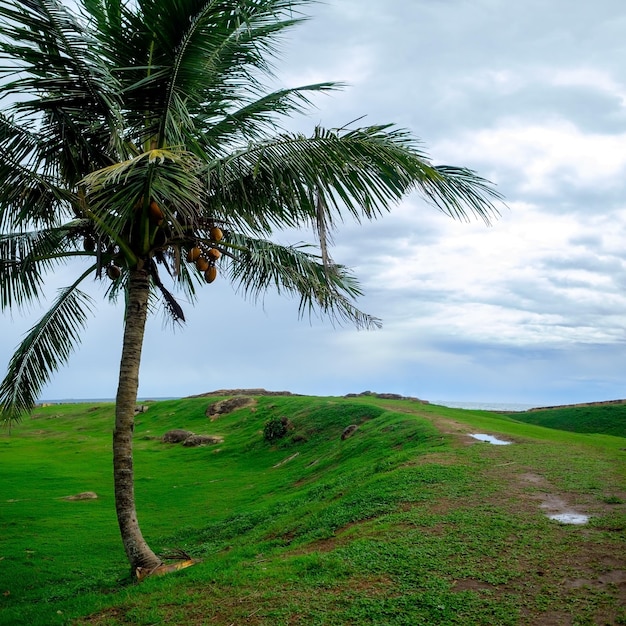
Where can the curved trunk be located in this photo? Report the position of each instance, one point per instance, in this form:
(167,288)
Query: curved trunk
(142,559)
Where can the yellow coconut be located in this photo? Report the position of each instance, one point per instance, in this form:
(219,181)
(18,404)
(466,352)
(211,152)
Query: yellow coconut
(194,254)
(216,234)
(211,274)
(214,254)
(155,212)
(202,264)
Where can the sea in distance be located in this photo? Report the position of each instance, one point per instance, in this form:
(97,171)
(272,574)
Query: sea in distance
(487,406)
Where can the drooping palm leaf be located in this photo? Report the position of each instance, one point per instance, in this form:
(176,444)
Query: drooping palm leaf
(257,265)
(45,348)
(251,119)
(26,257)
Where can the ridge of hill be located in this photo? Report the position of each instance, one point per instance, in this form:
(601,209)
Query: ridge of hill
(608,418)
(577,404)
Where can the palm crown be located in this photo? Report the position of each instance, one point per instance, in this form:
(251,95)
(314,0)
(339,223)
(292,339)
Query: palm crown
(139,136)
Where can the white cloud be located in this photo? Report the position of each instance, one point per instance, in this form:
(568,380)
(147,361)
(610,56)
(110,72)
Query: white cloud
(545,156)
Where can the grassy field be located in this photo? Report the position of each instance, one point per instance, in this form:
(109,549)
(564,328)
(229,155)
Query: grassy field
(609,419)
(409,521)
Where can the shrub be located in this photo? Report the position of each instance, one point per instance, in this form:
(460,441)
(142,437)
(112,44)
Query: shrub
(276,428)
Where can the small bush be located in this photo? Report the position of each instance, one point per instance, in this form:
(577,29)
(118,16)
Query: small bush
(276,428)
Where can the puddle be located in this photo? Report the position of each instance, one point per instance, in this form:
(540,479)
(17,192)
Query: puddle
(558,510)
(491,439)
(570,518)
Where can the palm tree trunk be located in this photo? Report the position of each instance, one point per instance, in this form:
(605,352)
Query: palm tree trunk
(142,559)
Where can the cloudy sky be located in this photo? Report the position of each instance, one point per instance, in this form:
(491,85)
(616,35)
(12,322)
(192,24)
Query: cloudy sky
(531,310)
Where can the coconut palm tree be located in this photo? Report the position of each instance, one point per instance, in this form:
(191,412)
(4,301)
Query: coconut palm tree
(138,136)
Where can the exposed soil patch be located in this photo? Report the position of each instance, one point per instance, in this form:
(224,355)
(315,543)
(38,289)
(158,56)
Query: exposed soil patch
(85,495)
(189,439)
(214,410)
(469,584)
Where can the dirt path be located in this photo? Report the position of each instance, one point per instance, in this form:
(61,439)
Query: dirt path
(595,562)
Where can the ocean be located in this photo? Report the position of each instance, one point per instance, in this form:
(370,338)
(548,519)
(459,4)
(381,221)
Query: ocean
(487,406)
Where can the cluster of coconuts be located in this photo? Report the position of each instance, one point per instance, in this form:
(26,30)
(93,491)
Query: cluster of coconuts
(112,270)
(206,262)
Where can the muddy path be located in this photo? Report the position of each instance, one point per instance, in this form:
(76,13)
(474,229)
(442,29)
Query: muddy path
(585,513)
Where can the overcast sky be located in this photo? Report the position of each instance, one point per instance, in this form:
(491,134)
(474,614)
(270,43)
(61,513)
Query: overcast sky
(531,310)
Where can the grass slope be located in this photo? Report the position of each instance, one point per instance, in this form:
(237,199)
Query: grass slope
(407,522)
(609,419)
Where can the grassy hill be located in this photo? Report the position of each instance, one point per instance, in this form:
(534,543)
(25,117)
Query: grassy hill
(608,419)
(409,521)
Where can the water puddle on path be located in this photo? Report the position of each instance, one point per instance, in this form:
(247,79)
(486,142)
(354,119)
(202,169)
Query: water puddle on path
(570,518)
(558,510)
(491,439)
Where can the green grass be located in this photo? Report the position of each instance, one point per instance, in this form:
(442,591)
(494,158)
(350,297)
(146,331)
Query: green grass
(403,523)
(609,419)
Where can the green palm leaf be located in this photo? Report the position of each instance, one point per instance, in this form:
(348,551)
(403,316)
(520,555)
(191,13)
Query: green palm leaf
(55,58)
(28,195)
(362,172)
(257,265)
(45,348)
(26,257)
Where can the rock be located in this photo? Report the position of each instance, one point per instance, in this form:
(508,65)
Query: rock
(85,495)
(385,396)
(195,441)
(348,431)
(142,408)
(243,392)
(176,436)
(222,407)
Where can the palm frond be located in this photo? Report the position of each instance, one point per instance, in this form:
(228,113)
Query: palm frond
(460,193)
(361,172)
(257,265)
(45,348)
(28,196)
(203,61)
(26,257)
(56,58)
(248,121)
(170,177)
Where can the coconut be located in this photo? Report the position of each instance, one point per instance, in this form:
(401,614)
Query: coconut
(211,274)
(113,272)
(214,254)
(202,264)
(193,254)
(216,234)
(155,212)
(89,244)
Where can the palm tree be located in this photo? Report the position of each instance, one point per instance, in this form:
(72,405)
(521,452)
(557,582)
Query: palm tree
(138,137)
